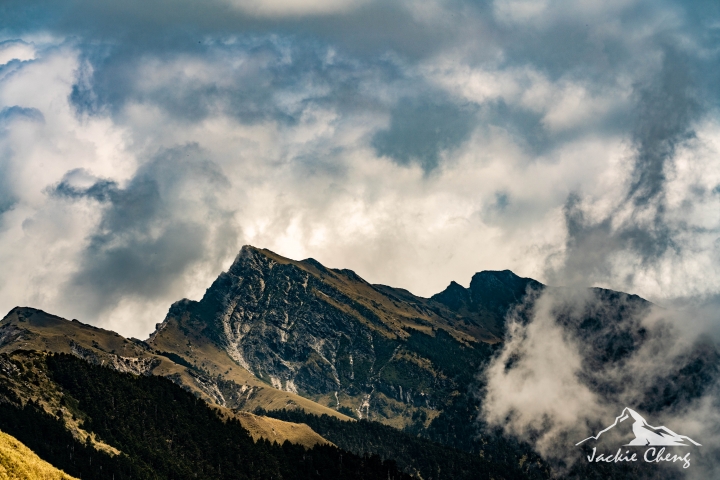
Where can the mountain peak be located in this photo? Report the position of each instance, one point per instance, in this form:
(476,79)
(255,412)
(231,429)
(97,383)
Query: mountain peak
(498,273)
(255,257)
(455,296)
(506,278)
(248,253)
(489,296)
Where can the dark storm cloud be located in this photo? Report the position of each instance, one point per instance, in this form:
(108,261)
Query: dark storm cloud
(665,110)
(115,38)
(9,114)
(285,52)
(422,128)
(100,190)
(367,28)
(152,230)
(246,79)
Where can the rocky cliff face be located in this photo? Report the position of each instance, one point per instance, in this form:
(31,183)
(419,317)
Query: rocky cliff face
(329,335)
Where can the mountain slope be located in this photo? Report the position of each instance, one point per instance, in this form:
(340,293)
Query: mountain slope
(17,462)
(382,353)
(32,329)
(332,337)
(157,429)
(26,329)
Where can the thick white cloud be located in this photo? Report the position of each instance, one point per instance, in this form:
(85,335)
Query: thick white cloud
(541,393)
(16,50)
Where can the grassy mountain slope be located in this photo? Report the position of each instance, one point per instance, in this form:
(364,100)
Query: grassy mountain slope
(17,462)
(34,330)
(274,430)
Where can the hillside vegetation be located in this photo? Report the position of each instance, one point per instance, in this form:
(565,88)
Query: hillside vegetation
(161,432)
(199,367)
(422,457)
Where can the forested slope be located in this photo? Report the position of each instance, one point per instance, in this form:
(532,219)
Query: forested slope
(163,432)
(414,454)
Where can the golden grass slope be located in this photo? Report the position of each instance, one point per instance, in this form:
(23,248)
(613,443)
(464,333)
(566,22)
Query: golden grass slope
(276,430)
(17,462)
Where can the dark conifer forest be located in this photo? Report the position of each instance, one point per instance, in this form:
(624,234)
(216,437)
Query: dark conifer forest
(415,454)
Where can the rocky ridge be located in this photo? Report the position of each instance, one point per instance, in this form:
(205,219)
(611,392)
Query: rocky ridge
(330,336)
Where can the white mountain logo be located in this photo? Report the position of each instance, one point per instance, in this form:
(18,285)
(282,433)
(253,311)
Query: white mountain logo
(645,434)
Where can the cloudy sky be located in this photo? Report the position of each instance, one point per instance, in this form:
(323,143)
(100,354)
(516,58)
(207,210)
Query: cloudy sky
(416,142)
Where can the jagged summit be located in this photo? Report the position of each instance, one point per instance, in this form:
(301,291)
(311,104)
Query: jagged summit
(330,335)
(488,297)
(390,311)
(474,314)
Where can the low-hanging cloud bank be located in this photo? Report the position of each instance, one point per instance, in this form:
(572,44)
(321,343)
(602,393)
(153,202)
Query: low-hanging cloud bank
(575,358)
